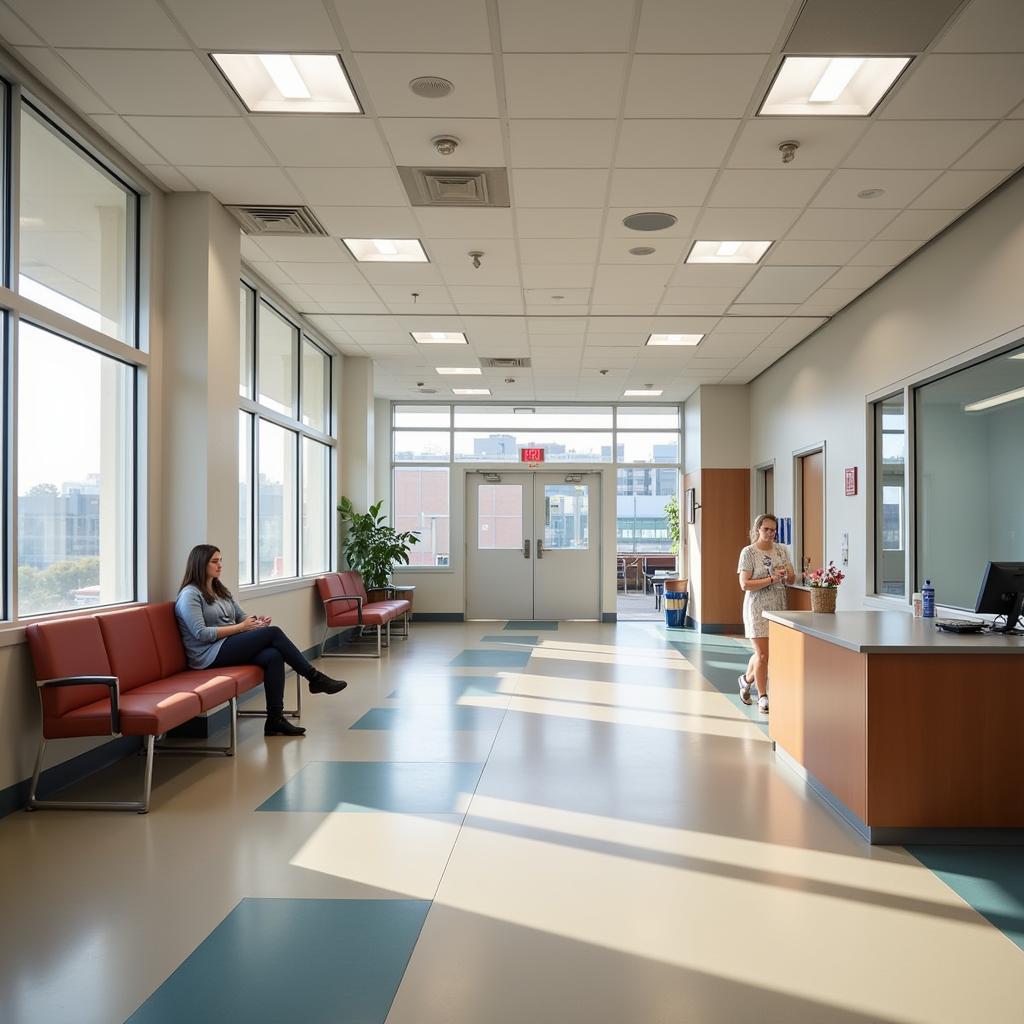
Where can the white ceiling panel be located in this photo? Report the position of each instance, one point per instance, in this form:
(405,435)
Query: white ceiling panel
(657,188)
(916,143)
(67,82)
(419,306)
(343,293)
(857,277)
(256,25)
(558,276)
(300,250)
(349,186)
(686,217)
(566,296)
(369,324)
(728,26)
(1002,149)
(958,190)
(558,143)
(992,26)
(322,273)
(561,188)
(455,251)
(465,223)
(503,275)
(741,309)
(666,250)
(793,331)
(538,26)
(483,295)
(918,225)
(823,141)
(15,32)
(827,301)
(448,26)
(762,326)
(368,221)
(697,275)
(884,254)
(203,141)
(402,293)
(480,141)
(735,345)
(700,296)
(128,139)
(387,77)
(692,85)
(790,187)
(564,84)
(841,190)
(398,273)
(121,23)
(641,278)
(558,223)
(151,81)
(754,224)
(315,140)
(785,284)
(844,224)
(960,85)
(674,142)
(804,254)
(263,185)
(170,177)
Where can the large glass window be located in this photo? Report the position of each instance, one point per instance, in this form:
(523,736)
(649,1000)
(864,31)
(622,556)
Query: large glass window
(275,508)
(246,339)
(421,504)
(316,507)
(75,476)
(245,451)
(77,231)
(890,496)
(276,354)
(316,387)
(642,495)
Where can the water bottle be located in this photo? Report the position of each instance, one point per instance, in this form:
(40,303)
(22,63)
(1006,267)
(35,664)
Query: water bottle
(928,599)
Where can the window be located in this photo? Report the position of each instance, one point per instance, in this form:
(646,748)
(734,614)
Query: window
(316,387)
(316,507)
(276,346)
(275,502)
(890,496)
(641,519)
(421,504)
(247,334)
(245,449)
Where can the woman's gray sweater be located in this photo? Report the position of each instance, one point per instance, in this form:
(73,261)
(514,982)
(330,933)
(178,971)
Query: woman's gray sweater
(198,621)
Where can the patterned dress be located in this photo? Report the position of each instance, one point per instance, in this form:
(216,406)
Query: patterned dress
(760,564)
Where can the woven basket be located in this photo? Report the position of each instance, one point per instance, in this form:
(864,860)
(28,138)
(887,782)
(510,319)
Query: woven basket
(823,599)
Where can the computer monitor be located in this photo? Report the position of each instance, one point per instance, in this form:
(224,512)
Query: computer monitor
(1002,593)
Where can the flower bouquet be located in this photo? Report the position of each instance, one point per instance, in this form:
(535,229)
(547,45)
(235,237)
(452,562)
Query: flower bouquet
(824,583)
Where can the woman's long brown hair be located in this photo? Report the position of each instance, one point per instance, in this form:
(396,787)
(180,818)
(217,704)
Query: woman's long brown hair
(195,573)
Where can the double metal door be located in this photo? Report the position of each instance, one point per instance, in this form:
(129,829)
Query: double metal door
(533,544)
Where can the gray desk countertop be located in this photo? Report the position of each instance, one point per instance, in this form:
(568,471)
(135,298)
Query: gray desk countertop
(893,633)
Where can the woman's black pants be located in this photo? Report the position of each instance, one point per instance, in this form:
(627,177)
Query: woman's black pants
(269,648)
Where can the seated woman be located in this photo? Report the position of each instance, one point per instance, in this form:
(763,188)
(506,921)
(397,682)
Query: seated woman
(216,632)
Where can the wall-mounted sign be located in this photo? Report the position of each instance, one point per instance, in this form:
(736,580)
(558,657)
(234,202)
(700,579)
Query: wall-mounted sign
(531,454)
(851,480)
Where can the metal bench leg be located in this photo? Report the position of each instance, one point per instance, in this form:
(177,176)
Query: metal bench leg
(206,750)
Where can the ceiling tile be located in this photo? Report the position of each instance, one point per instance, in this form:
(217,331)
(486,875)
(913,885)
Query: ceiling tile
(68,83)
(315,140)
(958,190)
(789,187)
(121,23)
(558,143)
(702,296)
(918,225)
(714,275)
(803,254)
(368,221)
(503,275)
(332,186)
(1002,149)
(480,141)
(869,26)
(828,301)
(15,32)
(558,223)
(127,138)
(301,249)
(568,296)
(465,223)
(674,142)
(641,278)
(992,26)
(686,217)
(170,177)
(959,85)
(561,188)
(480,296)
(728,26)
(151,81)
(916,143)
(343,293)
(752,224)
(558,276)
(857,277)
(321,273)
(762,309)
(692,85)
(203,141)
(570,26)
(681,187)
(666,250)
(844,224)
(823,141)
(841,190)
(256,25)
(387,77)
(793,331)
(785,284)
(884,254)
(450,26)
(455,251)
(752,324)
(257,185)
(399,273)
(564,84)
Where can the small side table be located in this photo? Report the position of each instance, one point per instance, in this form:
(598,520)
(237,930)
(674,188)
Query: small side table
(405,593)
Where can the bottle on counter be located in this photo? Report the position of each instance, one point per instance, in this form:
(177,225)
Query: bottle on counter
(918,604)
(928,600)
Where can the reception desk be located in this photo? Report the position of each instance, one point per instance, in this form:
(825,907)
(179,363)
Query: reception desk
(911,734)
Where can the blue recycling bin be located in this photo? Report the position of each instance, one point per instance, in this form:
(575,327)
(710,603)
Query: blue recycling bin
(676,602)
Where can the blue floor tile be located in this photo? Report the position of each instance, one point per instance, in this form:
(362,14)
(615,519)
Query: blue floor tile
(274,960)
(491,659)
(530,624)
(405,787)
(512,638)
(431,717)
(448,690)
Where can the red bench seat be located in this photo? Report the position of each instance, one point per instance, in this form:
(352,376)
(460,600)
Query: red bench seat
(347,606)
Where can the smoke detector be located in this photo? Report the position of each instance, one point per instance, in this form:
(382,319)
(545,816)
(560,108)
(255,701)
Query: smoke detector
(431,87)
(445,144)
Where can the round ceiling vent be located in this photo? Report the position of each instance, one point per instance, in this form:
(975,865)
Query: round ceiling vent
(642,250)
(649,221)
(431,87)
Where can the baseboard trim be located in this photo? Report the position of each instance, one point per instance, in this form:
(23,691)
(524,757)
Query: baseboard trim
(609,616)
(438,617)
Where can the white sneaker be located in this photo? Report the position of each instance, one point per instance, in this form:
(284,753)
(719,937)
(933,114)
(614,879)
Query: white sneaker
(745,689)
(762,703)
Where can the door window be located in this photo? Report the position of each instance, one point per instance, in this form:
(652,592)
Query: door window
(500,517)
(566,517)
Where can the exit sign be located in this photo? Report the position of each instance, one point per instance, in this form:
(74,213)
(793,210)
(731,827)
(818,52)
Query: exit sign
(531,454)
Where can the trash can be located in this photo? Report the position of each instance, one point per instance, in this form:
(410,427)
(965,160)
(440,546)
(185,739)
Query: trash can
(675,608)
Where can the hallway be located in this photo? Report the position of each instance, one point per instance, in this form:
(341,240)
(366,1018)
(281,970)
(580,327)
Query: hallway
(568,822)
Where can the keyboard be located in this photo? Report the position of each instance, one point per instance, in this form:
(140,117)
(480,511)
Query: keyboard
(959,625)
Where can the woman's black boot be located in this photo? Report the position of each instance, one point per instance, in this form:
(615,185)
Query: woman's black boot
(278,725)
(319,682)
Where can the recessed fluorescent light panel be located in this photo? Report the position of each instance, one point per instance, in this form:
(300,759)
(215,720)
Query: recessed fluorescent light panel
(641,393)
(471,391)
(727,252)
(439,338)
(675,339)
(386,250)
(460,370)
(991,403)
(831,86)
(296,83)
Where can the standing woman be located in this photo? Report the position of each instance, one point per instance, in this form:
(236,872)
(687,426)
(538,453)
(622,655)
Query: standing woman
(216,633)
(764,572)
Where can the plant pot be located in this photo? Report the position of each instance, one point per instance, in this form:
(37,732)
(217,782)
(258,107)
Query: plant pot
(677,586)
(823,599)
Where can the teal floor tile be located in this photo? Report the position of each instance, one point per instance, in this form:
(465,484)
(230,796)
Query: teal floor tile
(404,787)
(491,659)
(989,878)
(512,638)
(431,718)
(274,960)
(530,624)
(446,691)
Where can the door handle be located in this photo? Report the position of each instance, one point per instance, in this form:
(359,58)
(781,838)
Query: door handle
(526,549)
(540,548)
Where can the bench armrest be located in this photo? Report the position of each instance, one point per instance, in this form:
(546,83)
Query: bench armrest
(109,681)
(348,597)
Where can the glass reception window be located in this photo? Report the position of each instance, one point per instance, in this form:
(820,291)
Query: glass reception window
(421,504)
(276,354)
(421,446)
(275,503)
(76,473)
(77,229)
(316,387)
(499,517)
(566,517)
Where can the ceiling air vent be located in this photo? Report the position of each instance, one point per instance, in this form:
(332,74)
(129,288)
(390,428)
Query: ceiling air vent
(277,220)
(506,364)
(432,87)
(456,186)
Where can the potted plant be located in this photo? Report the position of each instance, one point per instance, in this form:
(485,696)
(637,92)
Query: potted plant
(672,515)
(371,547)
(824,584)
